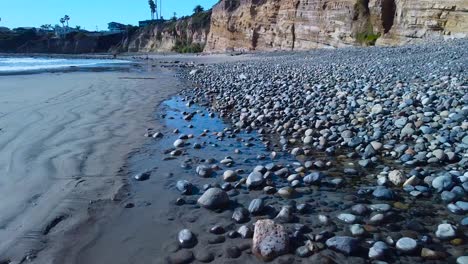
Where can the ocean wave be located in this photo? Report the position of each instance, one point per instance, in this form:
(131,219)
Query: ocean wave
(34,64)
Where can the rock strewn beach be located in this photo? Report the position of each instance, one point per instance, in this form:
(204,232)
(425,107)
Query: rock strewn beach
(342,156)
(399,112)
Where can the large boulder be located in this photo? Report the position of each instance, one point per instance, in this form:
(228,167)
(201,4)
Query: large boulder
(270,240)
(214,198)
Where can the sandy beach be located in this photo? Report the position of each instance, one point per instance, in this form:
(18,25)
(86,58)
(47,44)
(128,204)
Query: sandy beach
(64,138)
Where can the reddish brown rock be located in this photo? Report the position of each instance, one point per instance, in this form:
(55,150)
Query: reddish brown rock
(270,240)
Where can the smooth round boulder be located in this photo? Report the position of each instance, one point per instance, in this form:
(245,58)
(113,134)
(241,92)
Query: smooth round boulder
(186,238)
(255,179)
(214,198)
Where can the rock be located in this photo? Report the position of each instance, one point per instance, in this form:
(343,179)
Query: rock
(377,109)
(462,260)
(256,206)
(396,177)
(181,257)
(184,187)
(179,143)
(214,198)
(347,218)
(383,193)
(380,207)
(360,209)
(369,152)
(447,196)
(286,192)
(232,252)
(445,231)
(142,176)
(411,181)
(454,208)
(427,253)
(462,205)
(284,215)
(401,122)
(230,176)
(378,250)
(464,221)
(439,154)
(313,178)
(240,215)
(303,252)
(343,244)
(217,230)
(406,244)
(357,230)
(204,256)
(186,239)
(195,71)
(245,232)
(376,145)
(255,180)
(442,183)
(270,240)
(204,171)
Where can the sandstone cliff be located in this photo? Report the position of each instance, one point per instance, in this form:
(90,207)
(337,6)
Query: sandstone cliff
(184,35)
(306,24)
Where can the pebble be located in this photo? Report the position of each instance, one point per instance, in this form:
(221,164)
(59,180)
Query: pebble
(347,218)
(230,176)
(181,257)
(445,231)
(396,177)
(442,183)
(240,215)
(378,250)
(357,230)
(214,198)
(406,244)
(256,206)
(462,260)
(186,238)
(343,244)
(204,171)
(254,180)
(383,193)
(179,143)
(184,187)
(142,176)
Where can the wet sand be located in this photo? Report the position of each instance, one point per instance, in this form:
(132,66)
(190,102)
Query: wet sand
(63,141)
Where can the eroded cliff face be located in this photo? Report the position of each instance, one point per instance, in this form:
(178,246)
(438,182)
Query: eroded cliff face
(164,37)
(307,24)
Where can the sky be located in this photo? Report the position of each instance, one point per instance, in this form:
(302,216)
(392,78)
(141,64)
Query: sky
(89,14)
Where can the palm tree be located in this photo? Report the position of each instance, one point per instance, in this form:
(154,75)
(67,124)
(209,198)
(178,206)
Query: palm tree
(198,9)
(67,18)
(62,21)
(153,8)
(46,27)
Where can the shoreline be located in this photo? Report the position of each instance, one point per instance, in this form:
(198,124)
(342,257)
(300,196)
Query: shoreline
(139,222)
(84,180)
